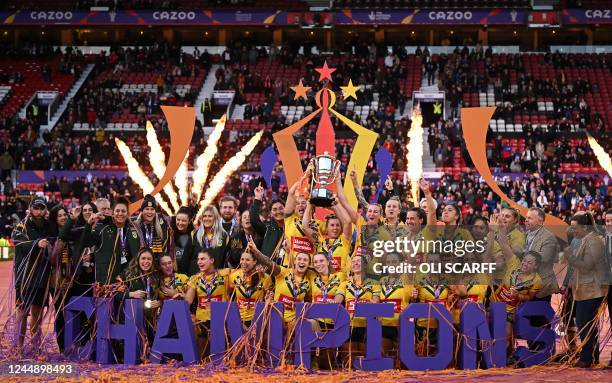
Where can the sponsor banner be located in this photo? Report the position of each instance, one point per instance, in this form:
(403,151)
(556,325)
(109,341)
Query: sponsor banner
(145,17)
(265,17)
(432,16)
(586,16)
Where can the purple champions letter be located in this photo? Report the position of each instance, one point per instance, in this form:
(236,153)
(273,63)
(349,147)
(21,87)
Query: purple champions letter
(374,360)
(474,328)
(183,340)
(223,315)
(226,315)
(73,331)
(306,339)
(524,330)
(130,332)
(444,334)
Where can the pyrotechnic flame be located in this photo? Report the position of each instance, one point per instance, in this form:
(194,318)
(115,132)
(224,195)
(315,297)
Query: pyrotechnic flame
(157,158)
(202,167)
(602,156)
(217,183)
(138,175)
(415,153)
(180,180)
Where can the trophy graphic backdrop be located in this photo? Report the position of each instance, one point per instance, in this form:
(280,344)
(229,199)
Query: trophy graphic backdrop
(325,135)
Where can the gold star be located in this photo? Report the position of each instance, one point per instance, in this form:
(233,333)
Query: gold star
(300,91)
(350,90)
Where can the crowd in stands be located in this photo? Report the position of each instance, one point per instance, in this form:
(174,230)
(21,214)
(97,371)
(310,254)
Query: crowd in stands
(538,152)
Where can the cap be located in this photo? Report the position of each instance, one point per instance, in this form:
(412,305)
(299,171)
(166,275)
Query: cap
(149,201)
(40,201)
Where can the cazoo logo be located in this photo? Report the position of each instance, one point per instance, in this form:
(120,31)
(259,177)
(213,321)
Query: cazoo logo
(450,15)
(598,13)
(51,15)
(174,15)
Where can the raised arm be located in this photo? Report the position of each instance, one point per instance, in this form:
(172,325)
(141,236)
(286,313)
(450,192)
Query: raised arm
(388,192)
(431,207)
(502,239)
(254,209)
(345,219)
(306,221)
(363,203)
(352,213)
(262,259)
(290,203)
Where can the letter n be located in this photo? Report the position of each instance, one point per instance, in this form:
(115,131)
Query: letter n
(444,355)
(475,331)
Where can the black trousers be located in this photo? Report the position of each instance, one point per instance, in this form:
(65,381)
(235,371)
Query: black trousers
(588,329)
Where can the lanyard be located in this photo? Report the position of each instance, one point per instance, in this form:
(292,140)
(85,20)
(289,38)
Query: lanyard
(294,286)
(122,240)
(148,235)
(324,286)
(208,287)
(437,291)
(148,287)
(207,242)
(330,249)
(232,227)
(356,290)
(247,291)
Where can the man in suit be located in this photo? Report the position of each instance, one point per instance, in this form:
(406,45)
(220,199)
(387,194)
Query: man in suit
(541,240)
(588,285)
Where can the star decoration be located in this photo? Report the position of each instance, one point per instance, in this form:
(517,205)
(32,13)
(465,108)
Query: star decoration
(350,90)
(325,72)
(300,91)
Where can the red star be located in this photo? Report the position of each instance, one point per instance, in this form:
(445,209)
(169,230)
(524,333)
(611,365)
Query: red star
(325,72)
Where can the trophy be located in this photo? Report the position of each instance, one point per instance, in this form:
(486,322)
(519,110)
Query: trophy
(324,174)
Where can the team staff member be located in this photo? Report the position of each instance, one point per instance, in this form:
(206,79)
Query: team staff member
(248,286)
(154,230)
(211,237)
(273,230)
(240,239)
(209,285)
(116,241)
(227,209)
(31,270)
(182,227)
(588,284)
(141,281)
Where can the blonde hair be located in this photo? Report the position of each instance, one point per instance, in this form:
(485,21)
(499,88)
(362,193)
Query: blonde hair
(157,224)
(217,228)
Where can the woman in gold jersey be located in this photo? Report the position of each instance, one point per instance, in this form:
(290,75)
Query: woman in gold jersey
(357,288)
(209,285)
(248,286)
